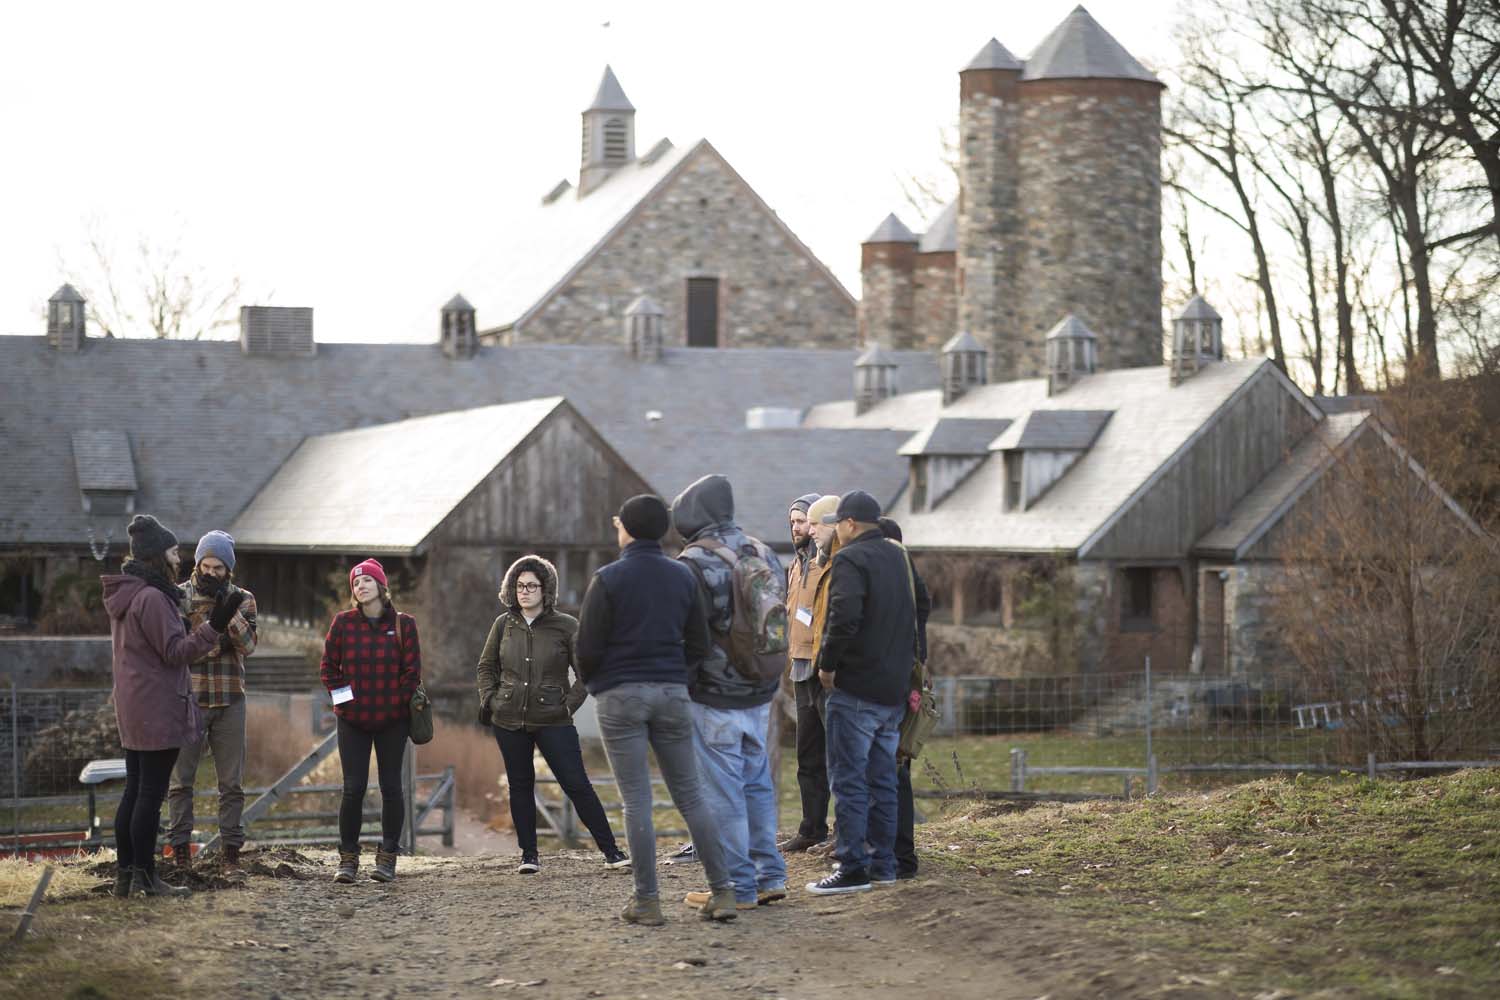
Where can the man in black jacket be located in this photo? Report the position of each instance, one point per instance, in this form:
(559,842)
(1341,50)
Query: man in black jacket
(906,811)
(642,631)
(865,662)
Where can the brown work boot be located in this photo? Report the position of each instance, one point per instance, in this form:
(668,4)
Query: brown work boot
(348,866)
(231,857)
(385,866)
(646,912)
(700,898)
(721,905)
(182,857)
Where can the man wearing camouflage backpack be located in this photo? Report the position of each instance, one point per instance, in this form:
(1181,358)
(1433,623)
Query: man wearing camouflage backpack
(744,591)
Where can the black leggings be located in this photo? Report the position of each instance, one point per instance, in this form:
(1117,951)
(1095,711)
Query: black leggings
(560,749)
(354,755)
(147,774)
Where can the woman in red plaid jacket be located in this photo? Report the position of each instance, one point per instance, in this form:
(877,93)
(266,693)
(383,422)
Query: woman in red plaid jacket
(372,664)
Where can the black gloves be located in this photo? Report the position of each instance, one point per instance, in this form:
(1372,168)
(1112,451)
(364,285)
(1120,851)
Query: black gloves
(224,610)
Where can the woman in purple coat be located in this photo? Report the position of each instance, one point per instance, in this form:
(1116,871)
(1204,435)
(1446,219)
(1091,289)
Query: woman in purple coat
(153,694)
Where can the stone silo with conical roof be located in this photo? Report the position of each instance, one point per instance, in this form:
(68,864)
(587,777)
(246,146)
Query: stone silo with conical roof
(1088,199)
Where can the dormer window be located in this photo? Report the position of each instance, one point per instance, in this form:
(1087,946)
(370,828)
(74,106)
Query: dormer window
(106,472)
(1014,465)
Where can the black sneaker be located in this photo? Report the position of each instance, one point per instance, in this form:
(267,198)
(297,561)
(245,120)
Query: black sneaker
(530,864)
(685,855)
(615,858)
(882,880)
(839,882)
(906,874)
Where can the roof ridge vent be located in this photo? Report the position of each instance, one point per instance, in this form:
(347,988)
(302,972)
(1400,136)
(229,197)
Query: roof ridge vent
(277,331)
(656,152)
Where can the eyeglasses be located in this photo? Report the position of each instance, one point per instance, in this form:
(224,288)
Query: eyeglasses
(528,586)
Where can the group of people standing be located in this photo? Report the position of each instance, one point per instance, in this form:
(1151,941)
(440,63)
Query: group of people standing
(659,644)
(666,647)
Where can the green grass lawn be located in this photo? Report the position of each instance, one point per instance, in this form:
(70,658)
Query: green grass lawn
(1383,888)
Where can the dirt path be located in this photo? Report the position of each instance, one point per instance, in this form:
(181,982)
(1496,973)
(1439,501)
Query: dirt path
(470,927)
(462,927)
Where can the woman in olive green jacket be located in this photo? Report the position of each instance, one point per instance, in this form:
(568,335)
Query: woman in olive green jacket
(525,695)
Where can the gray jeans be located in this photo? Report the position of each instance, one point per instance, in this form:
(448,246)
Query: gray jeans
(631,717)
(226,741)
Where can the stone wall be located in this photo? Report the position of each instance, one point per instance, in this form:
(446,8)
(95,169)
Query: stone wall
(934,309)
(885,305)
(987,214)
(56,661)
(706,223)
(1255,646)
(1090,219)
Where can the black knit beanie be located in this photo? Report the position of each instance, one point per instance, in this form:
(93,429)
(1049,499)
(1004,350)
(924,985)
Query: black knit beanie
(148,538)
(645,517)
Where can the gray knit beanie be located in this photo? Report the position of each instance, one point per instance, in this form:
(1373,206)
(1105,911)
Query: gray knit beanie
(220,545)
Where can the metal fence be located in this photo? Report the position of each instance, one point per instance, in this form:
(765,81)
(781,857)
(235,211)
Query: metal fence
(48,736)
(1124,727)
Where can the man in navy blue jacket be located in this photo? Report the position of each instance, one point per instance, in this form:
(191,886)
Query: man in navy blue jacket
(641,627)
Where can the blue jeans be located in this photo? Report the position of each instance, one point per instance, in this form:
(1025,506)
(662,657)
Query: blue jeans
(737,784)
(633,717)
(862,738)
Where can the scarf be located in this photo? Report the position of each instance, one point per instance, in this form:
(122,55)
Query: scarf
(142,571)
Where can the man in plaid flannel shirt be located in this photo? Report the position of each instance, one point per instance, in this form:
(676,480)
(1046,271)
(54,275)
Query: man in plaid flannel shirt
(219,683)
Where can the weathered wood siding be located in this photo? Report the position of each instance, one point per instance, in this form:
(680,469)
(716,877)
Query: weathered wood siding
(1243,443)
(559,487)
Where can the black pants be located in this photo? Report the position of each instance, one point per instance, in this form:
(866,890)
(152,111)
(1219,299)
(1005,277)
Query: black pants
(906,822)
(560,749)
(354,755)
(147,775)
(812,759)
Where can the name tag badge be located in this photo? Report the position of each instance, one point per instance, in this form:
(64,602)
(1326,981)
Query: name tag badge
(804,616)
(343,694)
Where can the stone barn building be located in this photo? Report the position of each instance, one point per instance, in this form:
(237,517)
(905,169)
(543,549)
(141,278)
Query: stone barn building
(465,466)
(1058,212)
(675,223)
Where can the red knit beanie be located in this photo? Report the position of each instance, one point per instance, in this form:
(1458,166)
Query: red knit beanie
(370,568)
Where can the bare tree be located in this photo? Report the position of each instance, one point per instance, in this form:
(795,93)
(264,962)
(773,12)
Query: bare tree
(1390,596)
(1208,123)
(153,290)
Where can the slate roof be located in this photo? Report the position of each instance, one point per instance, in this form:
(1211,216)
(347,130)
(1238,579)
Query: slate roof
(66,293)
(1151,421)
(263,407)
(955,436)
(1274,495)
(1197,308)
(610,96)
(384,489)
(993,56)
(891,230)
(1060,430)
(942,235)
(541,245)
(101,459)
(1080,48)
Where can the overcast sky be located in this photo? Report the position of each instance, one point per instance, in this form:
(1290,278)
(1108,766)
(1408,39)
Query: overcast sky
(358,158)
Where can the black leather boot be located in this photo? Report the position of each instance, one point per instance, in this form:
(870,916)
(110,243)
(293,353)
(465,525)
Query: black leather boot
(148,883)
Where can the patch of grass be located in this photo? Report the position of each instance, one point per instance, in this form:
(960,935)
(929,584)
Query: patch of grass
(1386,888)
(62,956)
(18,878)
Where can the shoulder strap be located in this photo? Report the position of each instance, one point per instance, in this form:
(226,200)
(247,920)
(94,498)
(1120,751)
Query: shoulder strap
(718,548)
(400,637)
